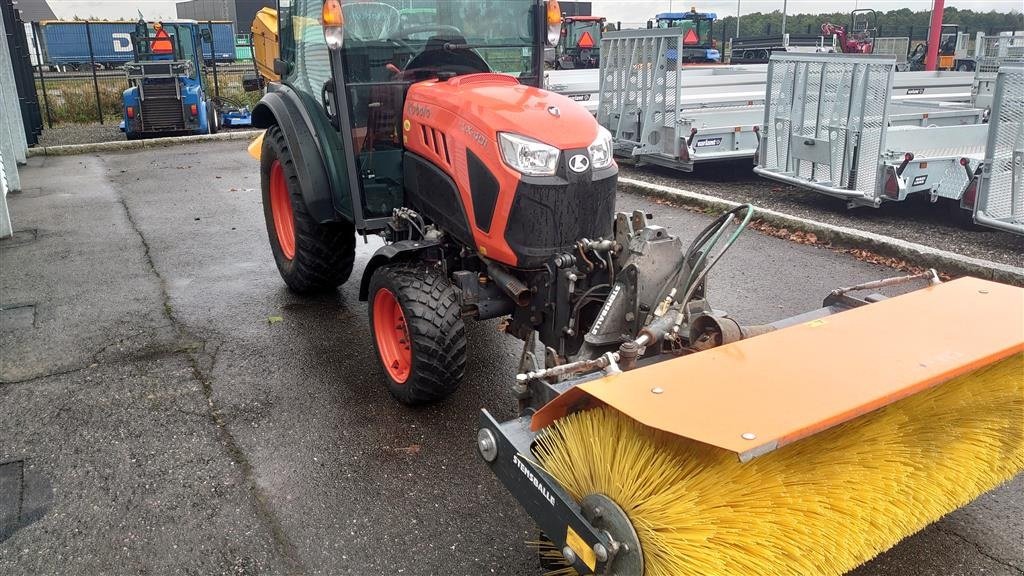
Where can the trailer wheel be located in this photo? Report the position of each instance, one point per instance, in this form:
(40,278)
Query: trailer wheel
(417,327)
(212,118)
(310,256)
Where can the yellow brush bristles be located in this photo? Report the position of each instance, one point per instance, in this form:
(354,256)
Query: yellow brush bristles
(822,505)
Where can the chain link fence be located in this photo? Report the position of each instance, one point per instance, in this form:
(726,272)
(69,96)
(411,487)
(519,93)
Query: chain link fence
(79,77)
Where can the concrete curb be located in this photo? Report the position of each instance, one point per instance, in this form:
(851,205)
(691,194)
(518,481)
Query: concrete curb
(917,254)
(122,145)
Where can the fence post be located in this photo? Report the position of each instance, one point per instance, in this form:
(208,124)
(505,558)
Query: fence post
(92,64)
(36,30)
(213,59)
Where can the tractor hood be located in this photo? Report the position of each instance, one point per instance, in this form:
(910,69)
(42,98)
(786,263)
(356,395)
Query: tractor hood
(492,103)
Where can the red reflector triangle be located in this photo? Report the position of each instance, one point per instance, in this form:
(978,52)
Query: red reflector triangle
(586,41)
(690,37)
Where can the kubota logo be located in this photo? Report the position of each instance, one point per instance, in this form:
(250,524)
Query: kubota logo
(579,163)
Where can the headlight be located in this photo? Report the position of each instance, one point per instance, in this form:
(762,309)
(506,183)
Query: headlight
(527,155)
(601,149)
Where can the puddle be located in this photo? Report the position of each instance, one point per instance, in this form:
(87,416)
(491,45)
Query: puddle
(25,496)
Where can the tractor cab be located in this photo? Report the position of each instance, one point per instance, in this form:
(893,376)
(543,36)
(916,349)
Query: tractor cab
(166,91)
(580,43)
(698,44)
(349,66)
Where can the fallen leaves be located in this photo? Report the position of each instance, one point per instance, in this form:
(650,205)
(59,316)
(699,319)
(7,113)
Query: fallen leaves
(274,319)
(411,450)
(861,254)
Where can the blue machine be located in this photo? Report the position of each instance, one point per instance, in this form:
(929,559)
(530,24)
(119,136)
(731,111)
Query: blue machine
(67,43)
(699,46)
(167,95)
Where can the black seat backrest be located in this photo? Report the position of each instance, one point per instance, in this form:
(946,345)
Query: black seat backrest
(435,57)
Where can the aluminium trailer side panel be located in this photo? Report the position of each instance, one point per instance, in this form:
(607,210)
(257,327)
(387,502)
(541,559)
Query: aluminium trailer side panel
(1000,194)
(831,126)
(824,123)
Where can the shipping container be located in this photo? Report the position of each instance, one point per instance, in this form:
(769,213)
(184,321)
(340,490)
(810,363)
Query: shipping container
(67,44)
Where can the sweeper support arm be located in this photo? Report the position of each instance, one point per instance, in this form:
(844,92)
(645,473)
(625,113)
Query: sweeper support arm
(755,395)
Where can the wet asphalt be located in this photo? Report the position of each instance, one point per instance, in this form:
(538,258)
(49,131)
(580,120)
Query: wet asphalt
(167,406)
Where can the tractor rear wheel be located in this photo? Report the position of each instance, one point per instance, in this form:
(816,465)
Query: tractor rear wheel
(417,327)
(311,256)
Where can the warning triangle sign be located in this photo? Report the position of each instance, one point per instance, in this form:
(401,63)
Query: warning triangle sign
(690,37)
(586,40)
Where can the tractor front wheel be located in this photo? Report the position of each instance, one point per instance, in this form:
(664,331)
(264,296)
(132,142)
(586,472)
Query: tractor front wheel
(418,331)
(311,256)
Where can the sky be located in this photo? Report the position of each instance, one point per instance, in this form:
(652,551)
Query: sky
(625,11)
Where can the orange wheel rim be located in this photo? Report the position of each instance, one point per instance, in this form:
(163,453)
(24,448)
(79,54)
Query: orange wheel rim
(392,335)
(281,210)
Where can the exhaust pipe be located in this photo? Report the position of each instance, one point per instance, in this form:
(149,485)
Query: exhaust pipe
(512,286)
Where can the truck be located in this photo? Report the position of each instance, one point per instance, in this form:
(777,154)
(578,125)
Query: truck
(66,44)
(698,45)
(167,94)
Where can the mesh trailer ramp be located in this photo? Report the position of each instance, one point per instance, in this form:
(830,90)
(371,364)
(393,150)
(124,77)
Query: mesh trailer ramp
(831,125)
(659,113)
(997,189)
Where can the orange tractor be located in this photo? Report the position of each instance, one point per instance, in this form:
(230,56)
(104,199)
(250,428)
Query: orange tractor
(496,199)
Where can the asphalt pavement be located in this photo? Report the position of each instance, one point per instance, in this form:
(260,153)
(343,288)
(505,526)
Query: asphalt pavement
(167,406)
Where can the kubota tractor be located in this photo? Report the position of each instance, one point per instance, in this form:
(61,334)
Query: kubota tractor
(496,198)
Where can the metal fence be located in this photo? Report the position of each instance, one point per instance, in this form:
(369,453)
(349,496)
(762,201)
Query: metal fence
(79,77)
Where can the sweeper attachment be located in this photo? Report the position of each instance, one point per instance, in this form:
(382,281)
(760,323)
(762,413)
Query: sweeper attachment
(808,449)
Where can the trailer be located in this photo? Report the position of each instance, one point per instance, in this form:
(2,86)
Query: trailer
(659,114)
(828,128)
(757,50)
(995,194)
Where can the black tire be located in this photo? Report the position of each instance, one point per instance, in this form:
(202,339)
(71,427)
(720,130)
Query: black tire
(322,255)
(434,329)
(212,118)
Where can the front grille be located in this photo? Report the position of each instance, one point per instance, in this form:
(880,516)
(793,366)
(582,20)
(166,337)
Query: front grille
(161,108)
(548,219)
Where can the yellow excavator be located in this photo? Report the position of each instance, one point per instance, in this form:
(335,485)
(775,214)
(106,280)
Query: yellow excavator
(657,435)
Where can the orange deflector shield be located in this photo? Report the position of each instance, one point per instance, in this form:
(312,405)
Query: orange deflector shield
(756,395)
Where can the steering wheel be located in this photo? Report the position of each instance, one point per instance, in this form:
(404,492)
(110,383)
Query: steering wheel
(404,33)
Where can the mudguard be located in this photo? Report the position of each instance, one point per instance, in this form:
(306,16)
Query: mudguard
(402,250)
(283,106)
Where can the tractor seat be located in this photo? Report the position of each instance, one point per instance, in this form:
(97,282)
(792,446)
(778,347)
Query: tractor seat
(435,58)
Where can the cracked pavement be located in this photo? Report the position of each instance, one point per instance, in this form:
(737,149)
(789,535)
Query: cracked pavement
(153,421)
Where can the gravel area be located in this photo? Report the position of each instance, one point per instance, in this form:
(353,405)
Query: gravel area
(914,220)
(80,134)
(91,133)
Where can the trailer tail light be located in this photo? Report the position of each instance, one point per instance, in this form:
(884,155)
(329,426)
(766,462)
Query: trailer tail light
(193,109)
(333,21)
(554,21)
(970,196)
(131,112)
(891,190)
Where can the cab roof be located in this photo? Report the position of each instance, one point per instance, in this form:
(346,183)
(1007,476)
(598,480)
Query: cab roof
(686,16)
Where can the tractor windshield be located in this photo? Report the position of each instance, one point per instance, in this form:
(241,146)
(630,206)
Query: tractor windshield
(583,34)
(698,31)
(501,32)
